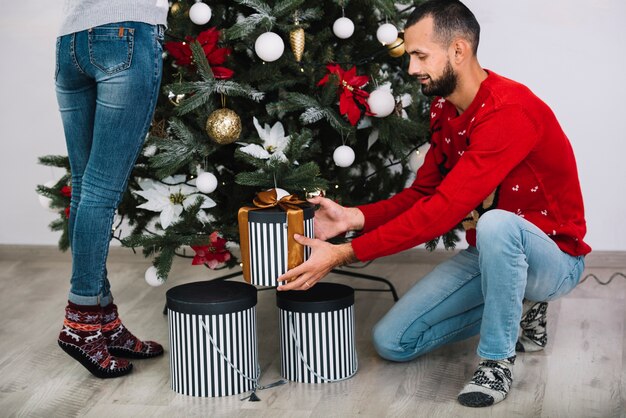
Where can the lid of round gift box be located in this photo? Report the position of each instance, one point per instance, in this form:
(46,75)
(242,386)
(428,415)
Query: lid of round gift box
(276,215)
(323,297)
(213,297)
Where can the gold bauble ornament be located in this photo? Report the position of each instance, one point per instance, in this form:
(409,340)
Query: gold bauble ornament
(223,126)
(396,48)
(296,40)
(175,9)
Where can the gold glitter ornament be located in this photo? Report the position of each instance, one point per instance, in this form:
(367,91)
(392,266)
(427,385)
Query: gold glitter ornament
(296,40)
(223,126)
(175,9)
(396,48)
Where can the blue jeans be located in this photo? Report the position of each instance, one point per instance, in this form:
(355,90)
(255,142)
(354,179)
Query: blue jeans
(107,84)
(479,290)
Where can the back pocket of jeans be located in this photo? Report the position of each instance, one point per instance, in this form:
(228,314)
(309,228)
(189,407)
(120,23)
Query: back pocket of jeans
(111,48)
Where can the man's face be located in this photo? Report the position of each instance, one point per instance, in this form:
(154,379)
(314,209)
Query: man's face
(429,61)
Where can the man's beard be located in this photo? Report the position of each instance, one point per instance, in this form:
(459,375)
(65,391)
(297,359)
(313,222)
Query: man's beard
(444,86)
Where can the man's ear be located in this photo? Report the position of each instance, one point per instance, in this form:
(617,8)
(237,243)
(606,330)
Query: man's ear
(461,50)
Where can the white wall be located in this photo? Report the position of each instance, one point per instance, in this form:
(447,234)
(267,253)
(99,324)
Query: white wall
(569,52)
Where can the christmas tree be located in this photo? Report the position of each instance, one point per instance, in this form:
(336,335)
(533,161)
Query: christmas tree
(306,97)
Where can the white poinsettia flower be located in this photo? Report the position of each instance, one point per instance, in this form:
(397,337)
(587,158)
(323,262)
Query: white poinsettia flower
(170,197)
(406,101)
(274,142)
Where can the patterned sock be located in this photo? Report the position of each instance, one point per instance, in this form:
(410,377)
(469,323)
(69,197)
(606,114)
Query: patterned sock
(534,336)
(81,338)
(490,384)
(121,341)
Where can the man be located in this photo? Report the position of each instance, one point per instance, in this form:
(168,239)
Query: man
(499,163)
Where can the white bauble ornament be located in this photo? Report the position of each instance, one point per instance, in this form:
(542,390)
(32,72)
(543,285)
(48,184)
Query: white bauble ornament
(206,182)
(386,33)
(200,13)
(153,278)
(343,156)
(381,102)
(269,46)
(416,159)
(280,193)
(45,201)
(343,28)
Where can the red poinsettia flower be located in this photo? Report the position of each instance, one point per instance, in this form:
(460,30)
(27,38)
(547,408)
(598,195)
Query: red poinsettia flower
(352,99)
(212,255)
(66,191)
(181,51)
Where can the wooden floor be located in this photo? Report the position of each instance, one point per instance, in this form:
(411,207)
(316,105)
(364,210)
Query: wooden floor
(582,373)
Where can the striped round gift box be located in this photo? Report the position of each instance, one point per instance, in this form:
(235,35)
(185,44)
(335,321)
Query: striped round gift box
(267,230)
(213,342)
(317,333)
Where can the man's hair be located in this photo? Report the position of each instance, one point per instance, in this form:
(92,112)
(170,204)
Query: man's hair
(451,18)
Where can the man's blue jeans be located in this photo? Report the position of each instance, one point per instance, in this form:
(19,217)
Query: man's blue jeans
(479,290)
(107,84)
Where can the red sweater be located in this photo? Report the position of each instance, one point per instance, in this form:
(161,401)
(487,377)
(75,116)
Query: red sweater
(506,151)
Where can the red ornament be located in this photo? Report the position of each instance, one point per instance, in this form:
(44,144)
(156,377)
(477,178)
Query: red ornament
(351,94)
(212,255)
(181,51)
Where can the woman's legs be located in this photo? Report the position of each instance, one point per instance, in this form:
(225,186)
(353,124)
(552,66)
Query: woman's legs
(107,85)
(107,88)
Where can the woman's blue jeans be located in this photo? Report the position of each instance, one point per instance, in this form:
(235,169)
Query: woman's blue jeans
(107,84)
(479,290)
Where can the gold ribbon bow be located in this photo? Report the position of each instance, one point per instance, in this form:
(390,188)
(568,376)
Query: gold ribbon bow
(295,225)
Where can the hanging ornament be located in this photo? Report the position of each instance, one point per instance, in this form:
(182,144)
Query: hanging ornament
(206,182)
(343,156)
(175,9)
(296,40)
(386,33)
(343,28)
(175,99)
(200,13)
(396,48)
(45,201)
(269,46)
(280,193)
(416,159)
(152,277)
(381,102)
(223,126)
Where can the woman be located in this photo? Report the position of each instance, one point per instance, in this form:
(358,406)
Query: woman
(108,72)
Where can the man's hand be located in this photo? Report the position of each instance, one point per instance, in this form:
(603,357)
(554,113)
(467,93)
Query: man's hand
(324,258)
(332,219)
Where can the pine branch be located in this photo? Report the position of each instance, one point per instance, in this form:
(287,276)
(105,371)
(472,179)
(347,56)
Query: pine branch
(61,161)
(260,6)
(175,153)
(201,61)
(286,7)
(432,244)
